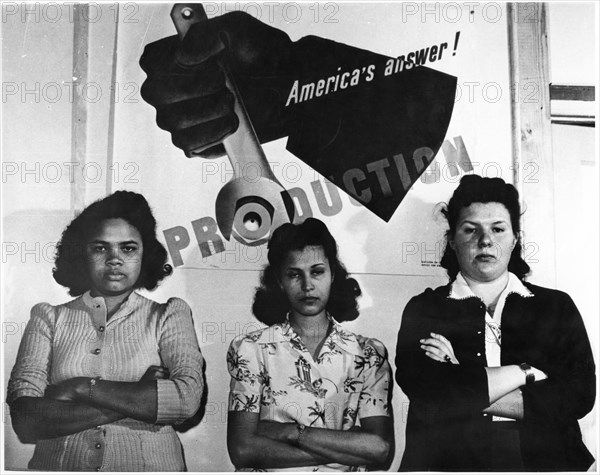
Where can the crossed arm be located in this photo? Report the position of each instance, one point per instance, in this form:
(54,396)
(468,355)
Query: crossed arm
(256,443)
(267,444)
(504,382)
(67,408)
(41,411)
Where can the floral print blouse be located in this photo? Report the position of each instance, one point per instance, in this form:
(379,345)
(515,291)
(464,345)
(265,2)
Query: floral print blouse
(272,373)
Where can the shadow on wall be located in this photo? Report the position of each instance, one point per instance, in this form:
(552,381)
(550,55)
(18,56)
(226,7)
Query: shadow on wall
(385,296)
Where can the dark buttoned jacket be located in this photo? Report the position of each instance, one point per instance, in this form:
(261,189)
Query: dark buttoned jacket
(446,427)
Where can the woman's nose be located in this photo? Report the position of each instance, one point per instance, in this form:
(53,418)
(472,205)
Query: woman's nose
(114,257)
(307,284)
(485,240)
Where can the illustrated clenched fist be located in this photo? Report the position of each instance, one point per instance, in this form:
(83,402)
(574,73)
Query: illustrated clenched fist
(186,81)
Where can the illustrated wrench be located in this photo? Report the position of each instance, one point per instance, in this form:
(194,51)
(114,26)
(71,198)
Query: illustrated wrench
(253,202)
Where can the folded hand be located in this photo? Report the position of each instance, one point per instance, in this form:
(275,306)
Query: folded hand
(439,348)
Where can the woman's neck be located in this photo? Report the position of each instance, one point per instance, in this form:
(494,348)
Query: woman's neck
(312,330)
(313,326)
(489,292)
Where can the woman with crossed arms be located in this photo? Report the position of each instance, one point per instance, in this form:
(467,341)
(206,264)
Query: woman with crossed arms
(307,394)
(100,381)
(497,370)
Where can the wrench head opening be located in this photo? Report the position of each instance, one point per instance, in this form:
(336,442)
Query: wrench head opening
(251,211)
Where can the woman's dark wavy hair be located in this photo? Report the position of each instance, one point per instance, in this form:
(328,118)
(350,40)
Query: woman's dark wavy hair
(475,189)
(270,302)
(70,262)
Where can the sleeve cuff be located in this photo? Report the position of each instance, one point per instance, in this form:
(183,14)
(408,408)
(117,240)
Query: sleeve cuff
(168,410)
(22,392)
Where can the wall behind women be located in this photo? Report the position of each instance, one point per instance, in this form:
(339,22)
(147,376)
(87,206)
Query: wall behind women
(575,155)
(44,183)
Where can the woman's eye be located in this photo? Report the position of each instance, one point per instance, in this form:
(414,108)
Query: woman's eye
(98,248)
(318,271)
(129,249)
(469,230)
(498,230)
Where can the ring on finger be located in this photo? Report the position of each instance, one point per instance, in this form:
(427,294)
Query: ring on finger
(447,358)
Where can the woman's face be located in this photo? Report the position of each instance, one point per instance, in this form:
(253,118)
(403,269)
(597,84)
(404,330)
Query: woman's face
(114,258)
(483,241)
(306,279)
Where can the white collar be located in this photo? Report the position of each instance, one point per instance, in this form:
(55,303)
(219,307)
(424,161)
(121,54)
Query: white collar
(460,290)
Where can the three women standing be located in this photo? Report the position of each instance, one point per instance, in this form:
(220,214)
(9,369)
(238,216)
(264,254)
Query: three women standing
(498,371)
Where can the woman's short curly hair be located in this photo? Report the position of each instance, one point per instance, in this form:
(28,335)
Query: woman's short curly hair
(476,189)
(70,264)
(270,302)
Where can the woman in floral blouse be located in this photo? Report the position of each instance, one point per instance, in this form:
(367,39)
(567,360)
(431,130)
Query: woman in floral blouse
(306,394)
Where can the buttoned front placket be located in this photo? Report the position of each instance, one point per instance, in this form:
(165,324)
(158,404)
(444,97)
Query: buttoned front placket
(100,366)
(97,436)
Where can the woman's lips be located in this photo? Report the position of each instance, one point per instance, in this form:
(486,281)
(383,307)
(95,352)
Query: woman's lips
(485,257)
(114,276)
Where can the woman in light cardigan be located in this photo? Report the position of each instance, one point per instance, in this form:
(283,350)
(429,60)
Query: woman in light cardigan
(99,381)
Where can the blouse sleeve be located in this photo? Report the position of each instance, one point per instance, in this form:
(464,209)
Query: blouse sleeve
(247,381)
(179,396)
(31,372)
(570,390)
(376,395)
(439,385)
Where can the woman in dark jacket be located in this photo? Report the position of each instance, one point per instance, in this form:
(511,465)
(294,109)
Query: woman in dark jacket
(498,371)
